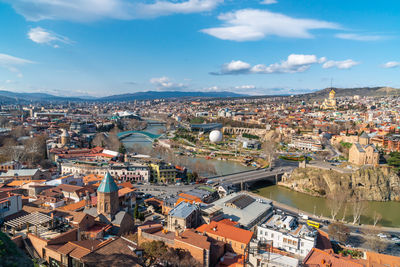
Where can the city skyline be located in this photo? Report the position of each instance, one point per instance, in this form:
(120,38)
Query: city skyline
(105,47)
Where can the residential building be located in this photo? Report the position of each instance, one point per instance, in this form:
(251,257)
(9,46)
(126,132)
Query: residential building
(236,239)
(10,204)
(286,233)
(184,216)
(163,173)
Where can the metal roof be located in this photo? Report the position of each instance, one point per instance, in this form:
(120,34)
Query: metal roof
(107,185)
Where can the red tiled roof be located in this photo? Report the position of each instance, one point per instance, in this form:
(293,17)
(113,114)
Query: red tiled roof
(227,231)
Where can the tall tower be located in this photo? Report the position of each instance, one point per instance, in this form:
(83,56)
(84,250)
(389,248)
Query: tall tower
(65,137)
(107,197)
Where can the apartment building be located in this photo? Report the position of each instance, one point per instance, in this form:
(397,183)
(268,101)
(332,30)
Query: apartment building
(286,233)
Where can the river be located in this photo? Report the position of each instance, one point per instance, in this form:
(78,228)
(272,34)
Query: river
(221,167)
(390,210)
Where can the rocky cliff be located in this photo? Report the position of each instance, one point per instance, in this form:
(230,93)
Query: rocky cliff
(379,184)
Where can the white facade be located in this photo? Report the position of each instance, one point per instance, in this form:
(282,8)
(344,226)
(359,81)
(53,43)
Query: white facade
(54,205)
(287,235)
(69,179)
(132,172)
(10,205)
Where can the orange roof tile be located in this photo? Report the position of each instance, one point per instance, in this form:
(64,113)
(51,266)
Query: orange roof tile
(318,257)
(227,231)
(74,206)
(124,191)
(387,260)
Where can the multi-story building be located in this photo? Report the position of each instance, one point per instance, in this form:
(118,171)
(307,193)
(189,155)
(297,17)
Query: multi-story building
(307,144)
(236,239)
(286,233)
(162,172)
(184,216)
(124,172)
(9,204)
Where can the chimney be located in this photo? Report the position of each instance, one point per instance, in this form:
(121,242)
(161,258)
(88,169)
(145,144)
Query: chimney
(176,232)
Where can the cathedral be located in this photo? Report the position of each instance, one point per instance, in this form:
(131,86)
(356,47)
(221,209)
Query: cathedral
(329,103)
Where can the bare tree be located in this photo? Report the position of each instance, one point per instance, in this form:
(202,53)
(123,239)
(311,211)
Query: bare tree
(338,200)
(377,217)
(339,231)
(374,242)
(358,209)
(269,148)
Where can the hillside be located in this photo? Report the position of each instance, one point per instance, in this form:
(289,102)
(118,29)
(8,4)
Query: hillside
(11,255)
(362,91)
(149,95)
(379,184)
(7,97)
(13,97)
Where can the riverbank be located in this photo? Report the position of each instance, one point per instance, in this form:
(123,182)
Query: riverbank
(319,207)
(367,227)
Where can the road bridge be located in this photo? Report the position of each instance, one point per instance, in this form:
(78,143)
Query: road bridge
(148,135)
(249,177)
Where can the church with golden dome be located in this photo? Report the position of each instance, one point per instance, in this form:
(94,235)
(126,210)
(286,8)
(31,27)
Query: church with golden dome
(329,103)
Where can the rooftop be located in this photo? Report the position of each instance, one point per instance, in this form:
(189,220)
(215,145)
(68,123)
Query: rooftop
(107,185)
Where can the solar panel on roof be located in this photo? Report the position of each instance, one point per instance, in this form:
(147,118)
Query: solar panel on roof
(241,201)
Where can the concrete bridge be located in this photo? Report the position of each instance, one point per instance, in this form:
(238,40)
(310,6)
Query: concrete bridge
(148,135)
(249,177)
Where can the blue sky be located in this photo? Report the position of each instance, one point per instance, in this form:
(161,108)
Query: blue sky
(104,47)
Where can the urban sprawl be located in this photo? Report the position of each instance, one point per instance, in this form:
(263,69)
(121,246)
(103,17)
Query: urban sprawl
(178,182)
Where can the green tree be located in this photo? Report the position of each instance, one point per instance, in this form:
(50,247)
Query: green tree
(122,149)
(136,212)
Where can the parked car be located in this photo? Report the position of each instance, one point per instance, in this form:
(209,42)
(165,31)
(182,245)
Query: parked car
(382,235)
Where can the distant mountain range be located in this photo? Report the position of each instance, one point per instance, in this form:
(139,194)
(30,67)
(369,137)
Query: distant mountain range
(13,97)
(7,97)
(167,94)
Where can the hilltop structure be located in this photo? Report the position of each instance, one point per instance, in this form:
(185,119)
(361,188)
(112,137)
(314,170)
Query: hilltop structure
(329,103)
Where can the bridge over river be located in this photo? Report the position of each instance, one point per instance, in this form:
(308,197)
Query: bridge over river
(249,177)
(148,135)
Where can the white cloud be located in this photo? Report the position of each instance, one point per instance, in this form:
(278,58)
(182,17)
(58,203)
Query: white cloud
(165,83)
(245,87)
(43,36)
(11,63)
(391,64)
(254,24)
(359,37)
(89,10)
(236,66)
(345,64)
(268,2)
(294,63)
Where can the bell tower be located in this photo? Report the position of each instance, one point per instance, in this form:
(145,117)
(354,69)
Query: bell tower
(107,197)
